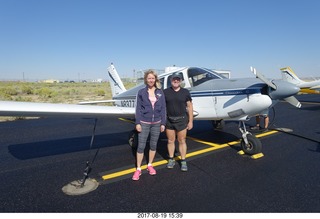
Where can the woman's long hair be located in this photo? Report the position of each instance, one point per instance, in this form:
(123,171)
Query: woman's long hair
(153,72)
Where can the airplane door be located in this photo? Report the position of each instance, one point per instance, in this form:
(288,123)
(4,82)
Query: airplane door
(215,102)
(222,102)
(204,101)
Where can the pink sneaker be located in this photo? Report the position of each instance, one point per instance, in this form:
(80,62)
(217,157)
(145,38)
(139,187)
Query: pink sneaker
(136,175)
(151,170)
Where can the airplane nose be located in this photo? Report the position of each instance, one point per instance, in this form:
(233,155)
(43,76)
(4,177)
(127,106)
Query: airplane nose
(284,89)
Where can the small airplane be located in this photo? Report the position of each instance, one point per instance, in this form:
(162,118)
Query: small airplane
(214,98)
(306,87)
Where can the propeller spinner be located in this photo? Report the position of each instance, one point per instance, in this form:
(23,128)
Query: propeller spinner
(280,89)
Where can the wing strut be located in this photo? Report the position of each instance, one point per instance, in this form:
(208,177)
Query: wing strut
(88,168)
(83,186)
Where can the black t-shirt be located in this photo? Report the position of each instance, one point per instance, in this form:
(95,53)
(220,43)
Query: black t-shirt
(176,101)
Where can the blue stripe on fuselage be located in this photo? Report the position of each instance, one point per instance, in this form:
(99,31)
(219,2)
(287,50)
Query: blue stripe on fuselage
(224,92)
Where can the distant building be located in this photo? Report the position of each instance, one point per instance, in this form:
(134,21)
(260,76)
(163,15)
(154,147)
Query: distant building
(99,80)
(50,81)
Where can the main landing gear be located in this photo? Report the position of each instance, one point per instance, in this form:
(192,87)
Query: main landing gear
(250,144)
(133,139)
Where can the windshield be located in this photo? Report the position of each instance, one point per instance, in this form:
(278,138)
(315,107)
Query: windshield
(200,75)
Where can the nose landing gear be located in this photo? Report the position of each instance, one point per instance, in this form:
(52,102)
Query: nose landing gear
(250,144)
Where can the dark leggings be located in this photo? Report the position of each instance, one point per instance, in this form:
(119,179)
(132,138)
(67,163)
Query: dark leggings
(154,130)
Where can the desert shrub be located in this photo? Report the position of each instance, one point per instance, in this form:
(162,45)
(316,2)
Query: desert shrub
(23,99)
(5,96)
(26,89)
(57,93)
(101,92)
(10,91)
(65,92)
(74,91)
(45,92)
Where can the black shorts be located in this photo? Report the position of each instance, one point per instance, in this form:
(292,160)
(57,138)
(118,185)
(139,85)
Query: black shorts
(177,123)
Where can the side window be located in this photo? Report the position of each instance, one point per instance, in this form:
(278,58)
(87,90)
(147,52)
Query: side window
(190,81)
(162,83)
(183,83)
(168,82)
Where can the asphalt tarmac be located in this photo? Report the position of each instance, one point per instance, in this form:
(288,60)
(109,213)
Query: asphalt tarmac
(40,157)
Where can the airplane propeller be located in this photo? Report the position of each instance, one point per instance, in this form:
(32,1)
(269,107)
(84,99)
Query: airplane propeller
(293,101)
(262,78)
(281,89)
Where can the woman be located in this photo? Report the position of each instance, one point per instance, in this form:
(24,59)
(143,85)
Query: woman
(180,119)
(150,119)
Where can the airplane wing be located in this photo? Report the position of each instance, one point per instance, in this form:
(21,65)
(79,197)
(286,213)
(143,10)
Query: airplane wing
(311,90)
(315,87)
(96,101)
(30,109)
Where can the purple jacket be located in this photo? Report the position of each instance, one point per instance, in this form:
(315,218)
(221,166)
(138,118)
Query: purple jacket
(144,110)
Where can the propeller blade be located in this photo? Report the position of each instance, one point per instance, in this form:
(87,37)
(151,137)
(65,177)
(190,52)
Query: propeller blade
(281,89)
(293,101)
(262,78)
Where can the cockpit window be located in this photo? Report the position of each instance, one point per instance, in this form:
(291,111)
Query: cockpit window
(200,75)
(221,76)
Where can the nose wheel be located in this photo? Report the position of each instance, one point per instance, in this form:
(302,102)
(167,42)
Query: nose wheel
(250,144)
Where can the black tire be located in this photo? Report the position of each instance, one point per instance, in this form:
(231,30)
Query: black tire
(218,124)
(254,146)
(133,139)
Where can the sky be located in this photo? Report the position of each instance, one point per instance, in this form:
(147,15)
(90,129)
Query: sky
(78,39)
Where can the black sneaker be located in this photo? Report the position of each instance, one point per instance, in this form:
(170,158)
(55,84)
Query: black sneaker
(263,129)
(255,127)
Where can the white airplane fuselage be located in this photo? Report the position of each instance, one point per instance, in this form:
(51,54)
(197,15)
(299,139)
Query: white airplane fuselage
(214,97)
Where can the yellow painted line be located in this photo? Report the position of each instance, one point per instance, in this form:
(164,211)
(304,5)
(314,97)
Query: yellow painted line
(131,170)
(191,154)
(126,120)
(266,133)
(257,156)
(204,142)
(254,156)
(119,173)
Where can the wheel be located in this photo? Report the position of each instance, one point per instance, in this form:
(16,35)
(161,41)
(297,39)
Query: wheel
(254,145)
(133,139)
(218,124)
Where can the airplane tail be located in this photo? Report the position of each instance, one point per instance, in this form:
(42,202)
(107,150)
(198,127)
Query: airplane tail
(305,86)
(116,84)
(289,76)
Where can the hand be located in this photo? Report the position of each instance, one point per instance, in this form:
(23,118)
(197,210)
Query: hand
(138,128)
(162,128)
(190,125)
